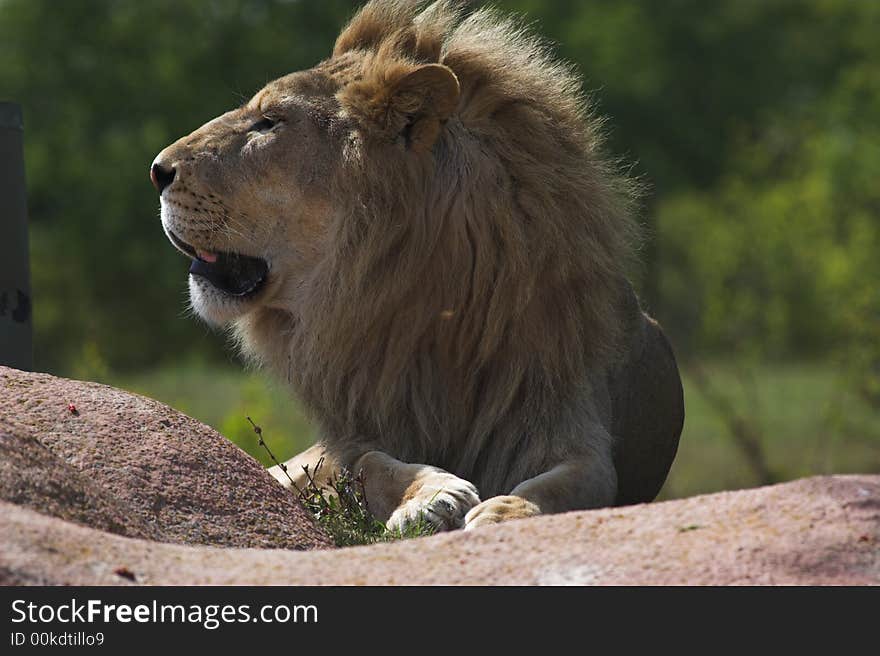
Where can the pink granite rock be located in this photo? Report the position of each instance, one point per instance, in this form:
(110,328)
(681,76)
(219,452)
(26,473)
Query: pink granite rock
(176,489)
(129,465)
(820,531)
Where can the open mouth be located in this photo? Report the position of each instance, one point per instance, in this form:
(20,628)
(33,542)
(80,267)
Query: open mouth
(231,273)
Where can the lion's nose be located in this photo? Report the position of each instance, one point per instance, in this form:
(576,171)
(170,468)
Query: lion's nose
(161,175)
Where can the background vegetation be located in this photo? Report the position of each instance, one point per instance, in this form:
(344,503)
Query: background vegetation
(756,124)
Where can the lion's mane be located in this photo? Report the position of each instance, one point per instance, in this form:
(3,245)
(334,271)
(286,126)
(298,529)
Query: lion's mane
(472,292)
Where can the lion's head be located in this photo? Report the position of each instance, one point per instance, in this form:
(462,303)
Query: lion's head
(418,220)
(250,196)
(261,195)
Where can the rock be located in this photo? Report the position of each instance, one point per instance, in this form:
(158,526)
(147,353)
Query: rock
(131,466)
(811,532)
(129,491)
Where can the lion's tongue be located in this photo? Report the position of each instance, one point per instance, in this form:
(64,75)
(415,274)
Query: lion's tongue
(207,256)
(234,274)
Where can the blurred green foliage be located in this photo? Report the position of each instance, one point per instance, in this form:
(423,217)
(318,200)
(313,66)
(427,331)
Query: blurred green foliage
(808,420)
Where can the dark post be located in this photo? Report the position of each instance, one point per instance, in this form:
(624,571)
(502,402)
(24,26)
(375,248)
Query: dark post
(16,342)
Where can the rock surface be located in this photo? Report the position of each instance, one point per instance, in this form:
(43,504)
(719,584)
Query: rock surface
(129,465)
(107,467)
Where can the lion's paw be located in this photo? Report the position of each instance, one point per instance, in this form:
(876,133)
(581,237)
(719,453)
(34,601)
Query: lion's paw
(441,499)
(499,509)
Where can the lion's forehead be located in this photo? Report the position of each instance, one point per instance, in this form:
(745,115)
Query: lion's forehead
(322,81)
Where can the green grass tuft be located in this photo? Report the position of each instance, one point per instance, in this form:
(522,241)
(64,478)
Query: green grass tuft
(342,511)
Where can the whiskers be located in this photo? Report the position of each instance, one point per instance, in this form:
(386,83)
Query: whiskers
(188,311)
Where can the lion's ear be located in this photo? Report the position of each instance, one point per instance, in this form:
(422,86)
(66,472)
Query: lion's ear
(420,103)
(414,106)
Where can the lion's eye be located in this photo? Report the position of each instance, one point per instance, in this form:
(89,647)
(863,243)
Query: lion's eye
(264,125)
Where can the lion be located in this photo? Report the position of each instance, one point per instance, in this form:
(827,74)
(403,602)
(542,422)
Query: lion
(424,237)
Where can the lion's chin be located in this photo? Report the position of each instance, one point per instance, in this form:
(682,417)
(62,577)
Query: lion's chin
(216,307)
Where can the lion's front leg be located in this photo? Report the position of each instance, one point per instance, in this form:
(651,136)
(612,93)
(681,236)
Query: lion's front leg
(401,494)
(579,484)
